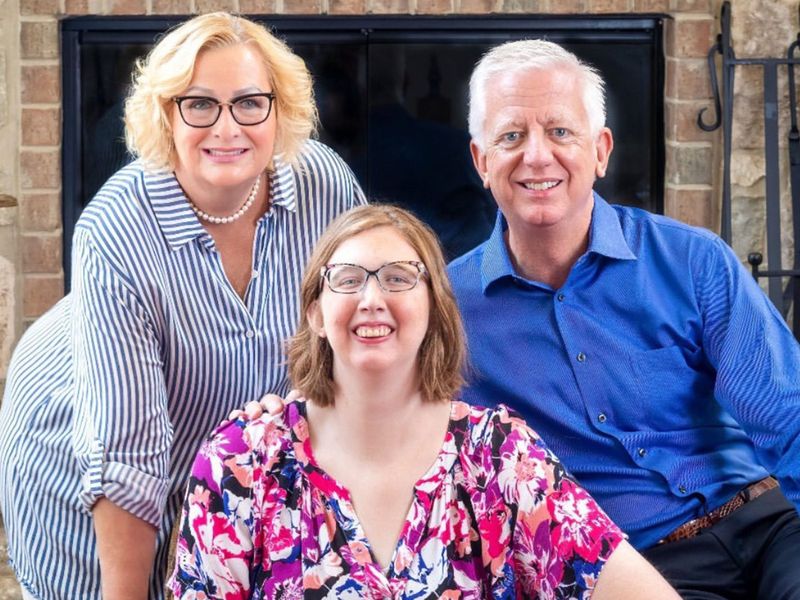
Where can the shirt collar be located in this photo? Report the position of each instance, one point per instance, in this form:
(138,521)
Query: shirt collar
(605,238)
(176,218)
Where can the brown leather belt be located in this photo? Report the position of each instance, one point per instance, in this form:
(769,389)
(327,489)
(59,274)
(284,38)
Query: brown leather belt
(691,528)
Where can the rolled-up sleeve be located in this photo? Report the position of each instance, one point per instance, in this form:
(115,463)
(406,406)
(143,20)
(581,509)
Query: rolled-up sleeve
(121,433)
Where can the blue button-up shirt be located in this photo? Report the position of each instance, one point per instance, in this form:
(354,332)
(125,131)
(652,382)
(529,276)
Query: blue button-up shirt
(659,372)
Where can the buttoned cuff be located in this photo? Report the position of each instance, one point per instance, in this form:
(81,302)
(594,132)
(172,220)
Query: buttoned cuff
(141,494)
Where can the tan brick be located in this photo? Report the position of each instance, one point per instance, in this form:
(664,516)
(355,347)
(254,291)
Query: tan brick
(609,6)
(127,7)
(38,7)
(41,127)
(476,6)
(522,6)
(39,293)
(651,6)
(347,7)
(41,84)
(687,79)
(388,6)
(40,169)
(173,7)
(434,7)
(302,7)
(41,253)
(77,7)
(567,7)
(40,212)
(689,164)
(39,39)
(692,206)
(681,122)
(699,6)
(257,7)
(688,37)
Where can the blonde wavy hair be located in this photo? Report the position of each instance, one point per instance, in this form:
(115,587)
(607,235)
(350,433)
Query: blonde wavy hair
(442,355)
(169,67)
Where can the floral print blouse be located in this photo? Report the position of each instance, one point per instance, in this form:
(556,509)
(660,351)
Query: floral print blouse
(495,516)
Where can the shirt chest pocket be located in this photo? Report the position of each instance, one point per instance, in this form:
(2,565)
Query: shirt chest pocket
(672,386)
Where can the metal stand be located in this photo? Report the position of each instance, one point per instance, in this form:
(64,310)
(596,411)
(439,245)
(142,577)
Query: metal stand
(782,298)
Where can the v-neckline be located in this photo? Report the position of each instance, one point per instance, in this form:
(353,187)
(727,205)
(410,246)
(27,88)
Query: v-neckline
(423,491)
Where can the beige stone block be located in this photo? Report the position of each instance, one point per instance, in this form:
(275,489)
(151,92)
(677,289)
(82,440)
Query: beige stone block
(40,84)
(7,340)
(40,212)
(40,293)
(388,6)
(688,36)
(40,169)
(84,7)
(567,7)
(522,6)
(687,79)
(763,27)
(434,7)
(38,7)
(651,6)
(257,7)
(748,170)
(39,39)
(41,127)
(694,206)
(4,88)
(302,7)
(176,7)
(681,122)
(476,6)
(347,7)
(609,6)
(127,7)
(697,6)
(689,164)
(41,253)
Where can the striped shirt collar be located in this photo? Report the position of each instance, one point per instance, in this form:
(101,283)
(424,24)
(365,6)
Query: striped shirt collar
(175,217)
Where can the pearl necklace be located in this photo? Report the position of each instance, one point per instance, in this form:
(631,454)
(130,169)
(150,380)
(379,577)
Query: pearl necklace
(230,218)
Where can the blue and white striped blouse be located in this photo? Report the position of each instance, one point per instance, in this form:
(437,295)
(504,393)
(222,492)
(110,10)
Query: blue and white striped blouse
(112,391)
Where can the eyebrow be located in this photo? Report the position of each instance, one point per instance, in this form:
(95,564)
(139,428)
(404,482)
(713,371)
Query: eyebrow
(209,92)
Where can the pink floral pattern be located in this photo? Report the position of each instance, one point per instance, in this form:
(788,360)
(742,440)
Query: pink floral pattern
(496,516)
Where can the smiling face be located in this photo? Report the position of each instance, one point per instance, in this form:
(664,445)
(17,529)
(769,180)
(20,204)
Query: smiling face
(226,157)
(373,331)
(540,158)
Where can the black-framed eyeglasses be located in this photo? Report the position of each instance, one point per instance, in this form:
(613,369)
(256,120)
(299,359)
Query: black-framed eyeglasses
(398,276)
(204,111)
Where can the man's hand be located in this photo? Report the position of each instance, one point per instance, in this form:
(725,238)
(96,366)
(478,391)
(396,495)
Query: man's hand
(272,404)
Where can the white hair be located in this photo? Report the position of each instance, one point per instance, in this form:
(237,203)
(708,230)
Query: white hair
(524,55)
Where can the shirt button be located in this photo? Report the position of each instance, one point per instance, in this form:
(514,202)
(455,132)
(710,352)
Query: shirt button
(682,489)
(250,334)
(602,417)
(561,297)
(641,452)
(581,357)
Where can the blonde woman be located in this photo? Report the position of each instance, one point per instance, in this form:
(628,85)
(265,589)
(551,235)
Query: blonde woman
(378,484)
(186,267)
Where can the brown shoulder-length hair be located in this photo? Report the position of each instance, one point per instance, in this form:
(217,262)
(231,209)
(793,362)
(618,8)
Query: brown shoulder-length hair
(442,354)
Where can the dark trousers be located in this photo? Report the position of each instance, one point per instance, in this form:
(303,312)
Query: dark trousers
(752,554)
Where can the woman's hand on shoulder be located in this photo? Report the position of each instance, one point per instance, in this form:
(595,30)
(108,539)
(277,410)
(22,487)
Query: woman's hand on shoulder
(272,404)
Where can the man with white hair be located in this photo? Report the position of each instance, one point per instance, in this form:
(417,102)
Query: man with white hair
(638,347)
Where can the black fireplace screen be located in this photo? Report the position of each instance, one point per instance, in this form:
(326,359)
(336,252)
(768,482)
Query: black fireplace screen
(392,96)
